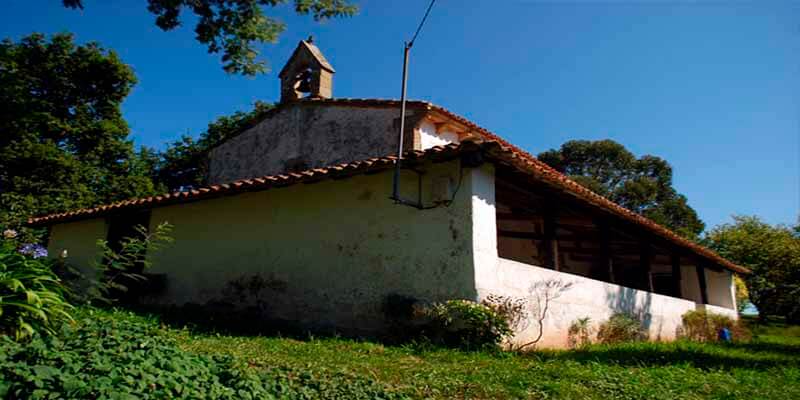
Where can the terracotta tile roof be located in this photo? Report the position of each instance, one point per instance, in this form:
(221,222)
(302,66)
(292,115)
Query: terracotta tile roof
(498,150)
(338,171)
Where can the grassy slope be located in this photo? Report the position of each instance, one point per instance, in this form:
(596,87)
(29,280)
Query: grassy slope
(767,368)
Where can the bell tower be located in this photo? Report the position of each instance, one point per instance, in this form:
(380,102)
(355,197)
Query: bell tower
(306,74)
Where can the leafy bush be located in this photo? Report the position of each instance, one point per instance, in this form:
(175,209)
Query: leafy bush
(703,326)
(466,324)
(115,357)
(31,295)
(621,328)
(579,333)
(117,272)
(511,309)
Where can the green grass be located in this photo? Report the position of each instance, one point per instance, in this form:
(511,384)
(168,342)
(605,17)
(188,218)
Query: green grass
(766,368)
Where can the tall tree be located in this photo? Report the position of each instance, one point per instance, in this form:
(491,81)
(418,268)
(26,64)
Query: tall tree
(772,253)
(643,185)
(184,163)
(235,27)
(63,141)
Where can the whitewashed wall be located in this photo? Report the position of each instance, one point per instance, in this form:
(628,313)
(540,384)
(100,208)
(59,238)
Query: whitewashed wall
(429,137)
(587,298)
(331,251)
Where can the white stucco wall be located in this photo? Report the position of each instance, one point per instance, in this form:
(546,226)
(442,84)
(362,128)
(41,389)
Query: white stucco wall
(587,298)
(331,251)
(429,137)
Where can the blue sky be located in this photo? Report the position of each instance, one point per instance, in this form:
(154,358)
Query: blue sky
(713,87)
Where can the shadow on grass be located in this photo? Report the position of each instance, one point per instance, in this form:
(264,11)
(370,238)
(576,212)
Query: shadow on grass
(223,320)
(755,355)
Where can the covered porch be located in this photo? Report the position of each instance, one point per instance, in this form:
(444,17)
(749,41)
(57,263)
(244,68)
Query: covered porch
(543,227)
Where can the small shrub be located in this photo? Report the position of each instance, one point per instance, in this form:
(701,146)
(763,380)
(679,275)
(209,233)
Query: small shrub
(621,328)
(117,272)
(465,324)
(703,326)
(579,334)
(513,310)
(31,295)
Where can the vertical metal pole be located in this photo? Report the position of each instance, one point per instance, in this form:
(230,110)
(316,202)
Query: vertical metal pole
(397,166)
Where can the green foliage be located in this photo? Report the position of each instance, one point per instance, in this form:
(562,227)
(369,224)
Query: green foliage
(117,270)
(642,185)
(772,253)
(579,334)
(31,295)
(112,355)
(63,141)
(621,328)
(183,165)
(236,27)
(741,293)
(703,326)
(465,324)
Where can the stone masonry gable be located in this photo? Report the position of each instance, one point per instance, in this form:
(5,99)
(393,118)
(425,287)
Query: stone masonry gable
(305,135)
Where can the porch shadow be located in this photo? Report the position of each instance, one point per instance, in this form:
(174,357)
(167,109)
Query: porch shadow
(625,300)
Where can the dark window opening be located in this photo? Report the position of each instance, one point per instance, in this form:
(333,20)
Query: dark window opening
(664,284)
(121,228)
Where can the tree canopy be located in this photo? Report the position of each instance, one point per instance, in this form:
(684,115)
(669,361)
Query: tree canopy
(643,185)
(236,27)
(772,253)
(63,141)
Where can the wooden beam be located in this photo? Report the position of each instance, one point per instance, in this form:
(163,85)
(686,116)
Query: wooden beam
(675,259)
(541,236)
(550,240)
(701,278)
(645,264)
(517,217)
(606,264)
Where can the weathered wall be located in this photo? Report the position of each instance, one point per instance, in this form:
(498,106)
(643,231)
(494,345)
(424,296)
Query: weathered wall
(79,239)
(587,298)
(325,254)
(303,136)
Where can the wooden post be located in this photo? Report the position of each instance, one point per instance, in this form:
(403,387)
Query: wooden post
(606,266)
(550,241)
(676,274)
(701,277)
(645,255)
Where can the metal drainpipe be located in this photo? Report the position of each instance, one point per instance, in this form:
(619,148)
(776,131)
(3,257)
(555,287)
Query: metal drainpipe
(397,165)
